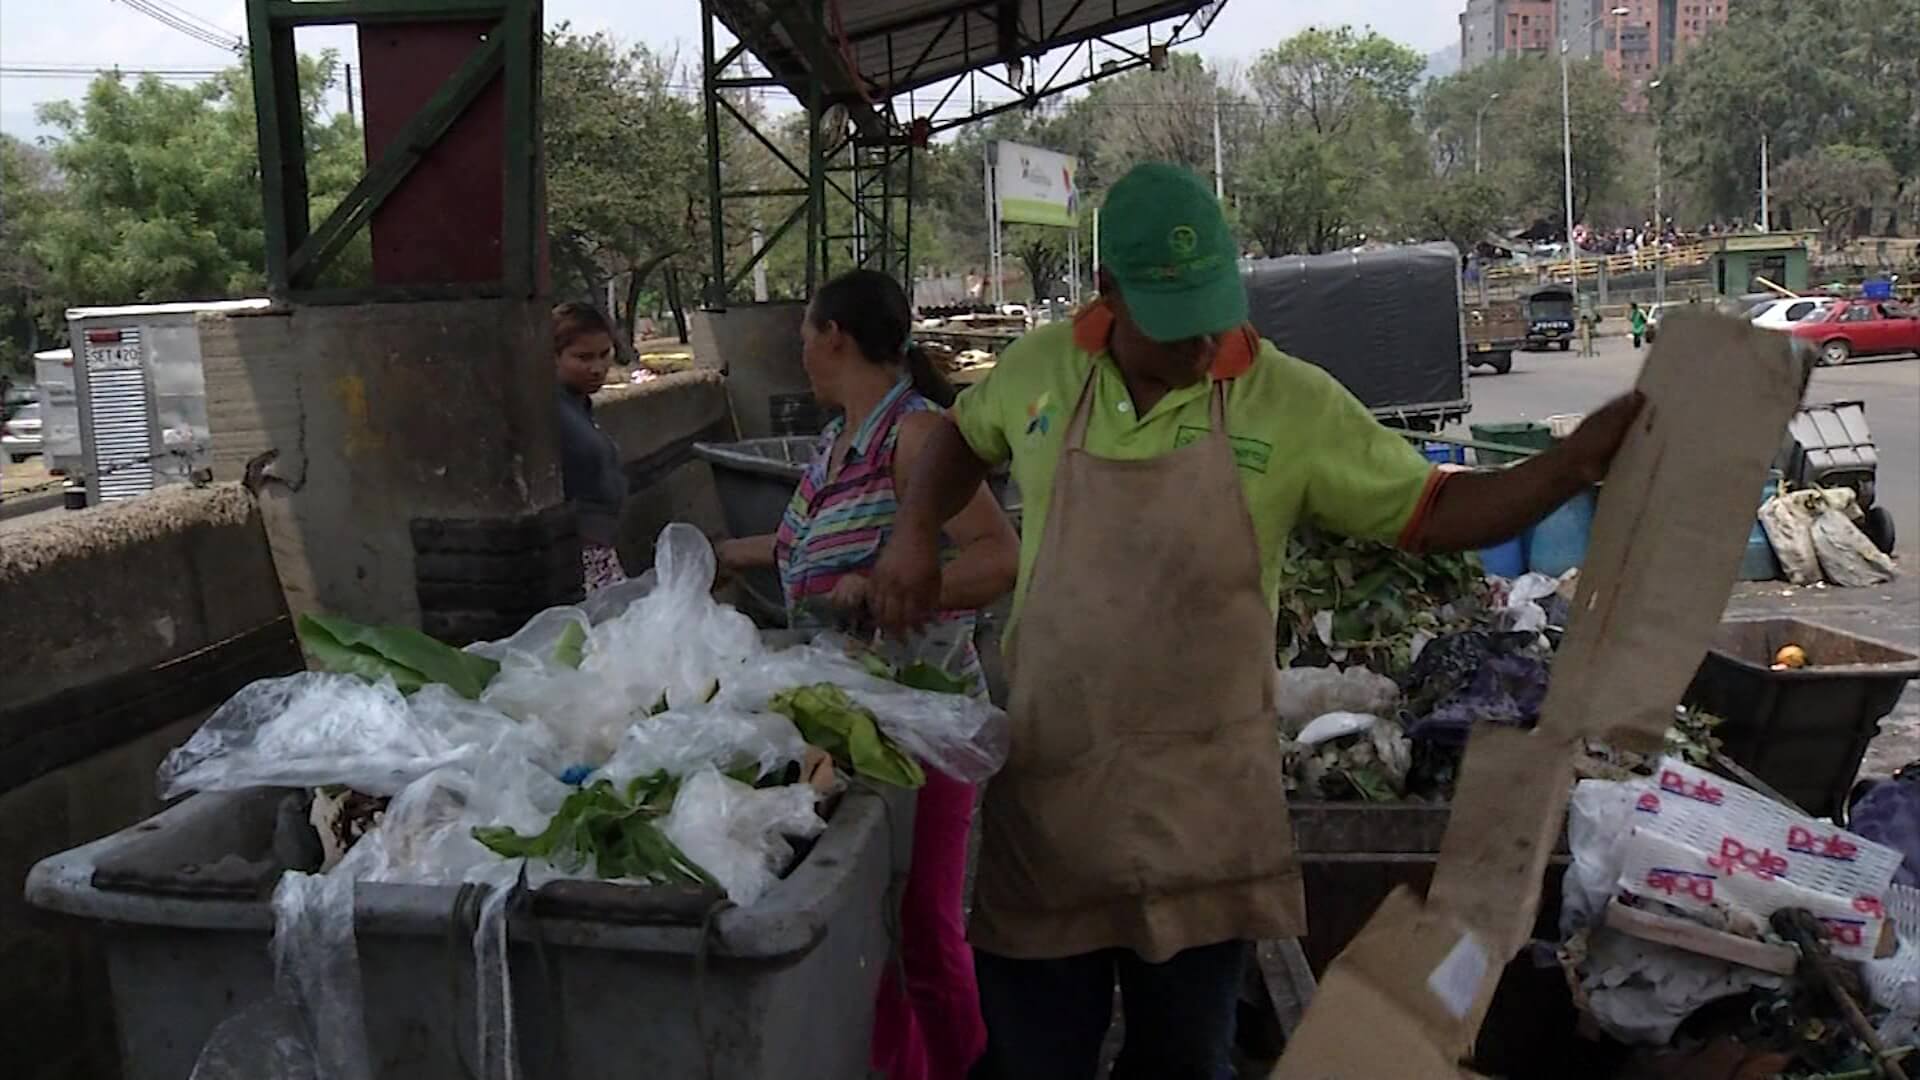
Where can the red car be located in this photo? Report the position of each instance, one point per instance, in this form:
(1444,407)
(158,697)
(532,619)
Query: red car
(1853,328)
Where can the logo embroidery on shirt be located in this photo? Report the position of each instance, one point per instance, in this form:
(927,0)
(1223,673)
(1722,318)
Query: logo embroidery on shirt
(1039,415)
(1250,454)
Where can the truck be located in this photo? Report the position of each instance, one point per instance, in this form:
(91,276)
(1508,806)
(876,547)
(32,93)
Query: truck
(142,396)
(1493,331)
(1386,322)
(59,411)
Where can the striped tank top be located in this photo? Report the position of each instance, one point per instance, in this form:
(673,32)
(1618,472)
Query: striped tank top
(837,527)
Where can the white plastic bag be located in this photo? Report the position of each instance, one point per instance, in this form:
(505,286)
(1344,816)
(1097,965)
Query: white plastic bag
(738,833)
(965,737)
(1523,611)
(674,641)
(681,741)
(1332,726)
(1788,522)
(308,730)
(1847,557)
(1599,817)
(317,966)
(1303,693)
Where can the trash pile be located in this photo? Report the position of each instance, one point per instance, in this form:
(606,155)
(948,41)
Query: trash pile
(648,738)
(1387,660)
(1700,915)
(1816,535)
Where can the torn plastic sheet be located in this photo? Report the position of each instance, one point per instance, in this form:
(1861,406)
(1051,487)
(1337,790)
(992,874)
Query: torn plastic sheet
(737,833)
(681,741)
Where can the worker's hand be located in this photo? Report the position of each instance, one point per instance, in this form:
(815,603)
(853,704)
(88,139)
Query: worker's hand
(905,590)
(851,593)
(1590,449)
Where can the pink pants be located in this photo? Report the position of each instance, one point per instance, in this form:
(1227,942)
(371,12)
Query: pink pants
(931,1029)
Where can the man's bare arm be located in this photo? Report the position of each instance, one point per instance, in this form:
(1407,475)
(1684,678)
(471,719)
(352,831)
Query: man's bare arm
(906,580)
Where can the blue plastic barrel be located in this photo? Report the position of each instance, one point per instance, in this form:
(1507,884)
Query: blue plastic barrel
(1559,542)
(1505,560)
(1444,453)
(1758,562)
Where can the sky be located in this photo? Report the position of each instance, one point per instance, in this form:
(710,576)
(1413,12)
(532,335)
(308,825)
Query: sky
(65,34)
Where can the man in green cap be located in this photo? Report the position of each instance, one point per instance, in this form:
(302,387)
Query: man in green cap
(1163,453)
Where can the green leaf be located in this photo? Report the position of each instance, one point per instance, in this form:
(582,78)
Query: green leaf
(617,838)
(570,650)
(829,719)
(407,656)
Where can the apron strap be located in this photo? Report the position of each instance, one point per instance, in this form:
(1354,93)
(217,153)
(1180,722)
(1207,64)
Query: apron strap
(1077,427)
(1218,408)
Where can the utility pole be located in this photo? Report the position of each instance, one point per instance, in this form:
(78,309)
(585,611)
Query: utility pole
(1478,116)
(1566,149)
(350,110)
(1659,222)
(1219,173)
(1766,217)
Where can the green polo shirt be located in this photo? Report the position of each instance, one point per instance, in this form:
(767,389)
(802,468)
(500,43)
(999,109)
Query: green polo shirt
(1306,448)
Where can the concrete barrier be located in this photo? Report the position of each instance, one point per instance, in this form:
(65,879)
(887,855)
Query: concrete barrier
(655,424)
(121,627)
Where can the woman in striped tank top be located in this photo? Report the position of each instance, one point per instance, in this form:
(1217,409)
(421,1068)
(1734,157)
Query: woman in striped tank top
(858,359)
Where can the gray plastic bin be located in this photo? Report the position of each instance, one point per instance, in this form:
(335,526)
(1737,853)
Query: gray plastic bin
(609,980)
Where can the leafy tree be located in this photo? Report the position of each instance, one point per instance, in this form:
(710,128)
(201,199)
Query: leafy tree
(161,195)
(1836,184)
(625,166)
(1463,209)
(1331,80)
(1043,253)
(28,191)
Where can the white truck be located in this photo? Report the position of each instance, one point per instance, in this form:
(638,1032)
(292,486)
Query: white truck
(141,395)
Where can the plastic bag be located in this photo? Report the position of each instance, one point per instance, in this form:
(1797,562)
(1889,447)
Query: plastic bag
(1787,520)
(965,737)
(1889,813)
(1332,726)
(681,741)
(267,1041)
(675,641)
(312,729)
(1351,755)
(1599,817)
(317,967)
(1475,677)
(738,833)
(1525,607)
(1847,557)
(1300,694)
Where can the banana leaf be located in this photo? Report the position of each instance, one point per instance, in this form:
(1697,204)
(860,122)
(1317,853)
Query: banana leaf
(614,836)
(829,719)
(407,656)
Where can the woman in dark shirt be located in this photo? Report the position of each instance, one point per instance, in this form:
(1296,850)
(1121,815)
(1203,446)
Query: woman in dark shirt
(590,471)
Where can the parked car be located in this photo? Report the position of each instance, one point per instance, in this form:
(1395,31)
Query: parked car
(1656,312)
(20,433)
(1850,328)
(1781,314)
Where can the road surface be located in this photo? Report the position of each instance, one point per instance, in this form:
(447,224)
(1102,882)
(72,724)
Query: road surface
(1544,383)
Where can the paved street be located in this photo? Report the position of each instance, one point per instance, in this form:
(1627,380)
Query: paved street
(1542,384)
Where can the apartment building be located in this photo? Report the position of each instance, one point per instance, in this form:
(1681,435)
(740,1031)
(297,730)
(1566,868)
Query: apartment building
(1634,46)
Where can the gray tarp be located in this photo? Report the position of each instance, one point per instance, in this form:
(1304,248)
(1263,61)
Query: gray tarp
(1386,323)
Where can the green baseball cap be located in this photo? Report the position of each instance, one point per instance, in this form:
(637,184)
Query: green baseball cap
(1165,240)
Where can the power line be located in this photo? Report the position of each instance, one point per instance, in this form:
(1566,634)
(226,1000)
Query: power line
(178,18)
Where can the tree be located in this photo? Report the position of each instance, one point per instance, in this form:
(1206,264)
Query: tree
(1334,145)
(28,192)
(1462,209)
(1043,253)
(161,195)
(626,182)
(1836,184)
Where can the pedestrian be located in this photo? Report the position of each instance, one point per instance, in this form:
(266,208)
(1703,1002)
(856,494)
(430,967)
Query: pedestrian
(857,358)
(591,475)
(1163,452)
(1636,322)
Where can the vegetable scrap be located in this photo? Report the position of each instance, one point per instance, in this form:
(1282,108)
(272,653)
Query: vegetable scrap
(829,719)
(407,656)
(609,833)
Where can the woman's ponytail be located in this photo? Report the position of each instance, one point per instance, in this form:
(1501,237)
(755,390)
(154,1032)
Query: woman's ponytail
(928,380)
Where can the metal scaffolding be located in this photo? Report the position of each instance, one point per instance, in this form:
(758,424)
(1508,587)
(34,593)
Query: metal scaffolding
(853,66)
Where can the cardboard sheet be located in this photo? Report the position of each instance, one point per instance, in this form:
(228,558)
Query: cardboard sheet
(1667,538)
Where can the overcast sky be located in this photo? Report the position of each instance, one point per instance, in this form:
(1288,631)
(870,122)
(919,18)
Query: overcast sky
(106,33)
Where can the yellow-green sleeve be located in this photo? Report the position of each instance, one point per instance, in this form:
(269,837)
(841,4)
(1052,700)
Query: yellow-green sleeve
(981,417)
(1365,479)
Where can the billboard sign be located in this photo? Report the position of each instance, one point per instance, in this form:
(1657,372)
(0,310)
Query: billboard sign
(1035,186)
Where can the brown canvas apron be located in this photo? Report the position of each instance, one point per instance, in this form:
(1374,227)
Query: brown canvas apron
(1142,806)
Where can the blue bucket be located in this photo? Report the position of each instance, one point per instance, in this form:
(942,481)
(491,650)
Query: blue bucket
(1506,560)
(1758,562)
(1444,453)
(1559,542)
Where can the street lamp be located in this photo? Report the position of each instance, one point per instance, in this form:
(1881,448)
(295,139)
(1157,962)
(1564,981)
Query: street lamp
(1566,148)
(1659,223)
(1477,117)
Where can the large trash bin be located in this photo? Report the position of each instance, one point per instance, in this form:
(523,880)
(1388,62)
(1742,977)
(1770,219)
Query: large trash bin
(608,980)
(1803,731)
